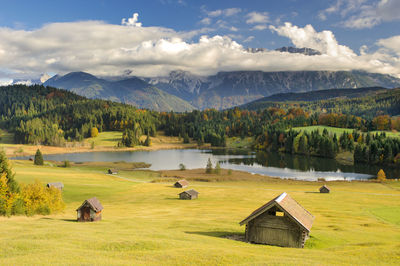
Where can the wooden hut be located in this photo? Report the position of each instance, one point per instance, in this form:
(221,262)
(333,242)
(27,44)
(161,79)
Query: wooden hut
(112,171)
(324,189)
(280,222)
(57,185)
(90,210)
(189,194)
(181,184)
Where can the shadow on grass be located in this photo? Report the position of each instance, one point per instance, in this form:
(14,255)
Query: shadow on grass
(65,220)
(169,198)
(220,234)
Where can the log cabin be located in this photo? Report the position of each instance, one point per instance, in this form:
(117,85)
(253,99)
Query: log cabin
(280,222)
(90,210)
(189,194)
(181,184)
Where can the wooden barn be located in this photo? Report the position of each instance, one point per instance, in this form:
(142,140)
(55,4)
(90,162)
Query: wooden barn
(90,210)
(280,222)
(324,189)
(112,171)
(57,185)
(181,184)
(189,194)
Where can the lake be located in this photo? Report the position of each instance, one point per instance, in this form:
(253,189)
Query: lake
(271,164)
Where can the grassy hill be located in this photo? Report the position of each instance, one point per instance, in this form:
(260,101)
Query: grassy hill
(144,223)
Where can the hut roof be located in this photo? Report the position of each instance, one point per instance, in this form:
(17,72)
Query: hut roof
(94,203)
(191,192)
(324,186)
(289,206)
(56,184)
(183,182)
(113,170)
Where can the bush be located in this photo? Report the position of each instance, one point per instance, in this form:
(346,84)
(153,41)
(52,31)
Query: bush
(66,164)
(182,167)
(38,158)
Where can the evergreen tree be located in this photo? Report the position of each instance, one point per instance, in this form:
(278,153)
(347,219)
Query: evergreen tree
(6,169)
(217,169)
(209,166)
(38,158)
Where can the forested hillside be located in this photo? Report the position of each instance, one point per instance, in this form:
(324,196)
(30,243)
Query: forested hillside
(368,102)
(49,116)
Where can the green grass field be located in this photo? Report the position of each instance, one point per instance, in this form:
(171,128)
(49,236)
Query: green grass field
(340,131)
(145,223)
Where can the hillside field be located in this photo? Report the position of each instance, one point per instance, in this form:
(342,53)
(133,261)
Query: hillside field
(340,131)
(145,224)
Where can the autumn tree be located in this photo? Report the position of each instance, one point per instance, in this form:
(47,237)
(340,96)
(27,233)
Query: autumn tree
(381,176)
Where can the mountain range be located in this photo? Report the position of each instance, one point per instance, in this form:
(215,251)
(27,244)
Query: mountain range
(182,91)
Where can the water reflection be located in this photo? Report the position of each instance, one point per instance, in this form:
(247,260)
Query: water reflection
(272,164)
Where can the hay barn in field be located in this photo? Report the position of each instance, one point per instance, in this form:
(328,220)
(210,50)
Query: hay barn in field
(112,171)
(57,185)
(181,184)
(90,210)
(280,222)
(324,189)
(189,194)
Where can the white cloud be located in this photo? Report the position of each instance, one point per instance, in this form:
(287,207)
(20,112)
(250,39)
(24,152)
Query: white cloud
(5,81)
(133,21)
(205,21)
(324,41)
(260,27)
(228,12)
(257,17)
(248,39)
(106,49)
(359,14)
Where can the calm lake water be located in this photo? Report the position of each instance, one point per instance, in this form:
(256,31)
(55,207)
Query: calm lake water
(271,164)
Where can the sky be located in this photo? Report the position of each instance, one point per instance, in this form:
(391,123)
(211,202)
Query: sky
(154,37)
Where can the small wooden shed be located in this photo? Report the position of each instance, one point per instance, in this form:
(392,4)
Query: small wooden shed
(112,171)
(57,185)
(324,189)
(280,222)
(189,194)
(90,210)
(181,184)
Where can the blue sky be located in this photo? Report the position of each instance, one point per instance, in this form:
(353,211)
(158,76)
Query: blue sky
(338,27)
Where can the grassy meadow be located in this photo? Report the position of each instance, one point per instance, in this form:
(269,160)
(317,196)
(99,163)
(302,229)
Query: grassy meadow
(144,222)
(340,131)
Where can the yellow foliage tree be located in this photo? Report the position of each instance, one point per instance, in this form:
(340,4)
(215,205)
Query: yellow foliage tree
(94,132)
(39,199)
(7,198)
(381,176)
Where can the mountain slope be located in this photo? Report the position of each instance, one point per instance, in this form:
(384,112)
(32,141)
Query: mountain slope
(227,89)
(132,91)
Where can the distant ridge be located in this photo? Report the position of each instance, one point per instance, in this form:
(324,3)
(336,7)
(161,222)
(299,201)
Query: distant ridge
(313,96)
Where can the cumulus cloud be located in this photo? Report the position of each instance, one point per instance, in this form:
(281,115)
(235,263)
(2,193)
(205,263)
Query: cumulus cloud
(106,50)
(133,21)
(324,41)
(257,17)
